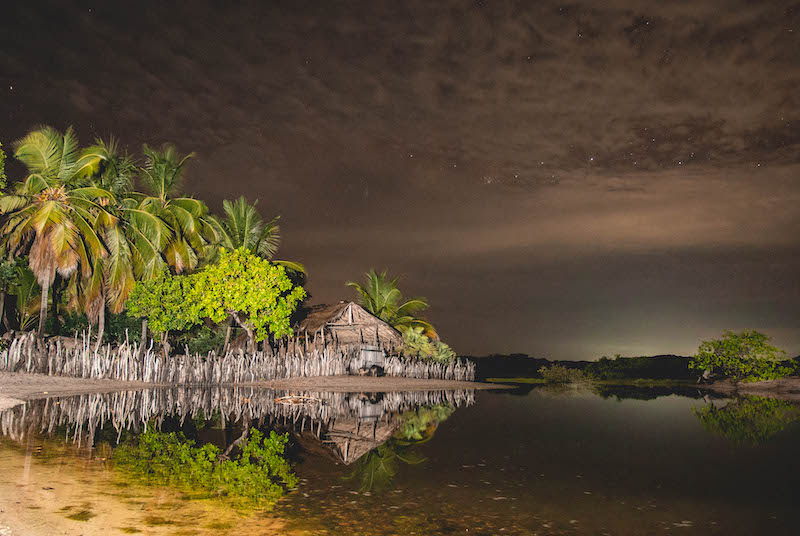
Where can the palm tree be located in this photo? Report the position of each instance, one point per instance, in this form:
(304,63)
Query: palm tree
(244,228)
(191,232)
(56,224)
(52,212)
(134,238)
(381,297)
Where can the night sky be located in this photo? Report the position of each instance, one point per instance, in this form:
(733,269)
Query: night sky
(563,180)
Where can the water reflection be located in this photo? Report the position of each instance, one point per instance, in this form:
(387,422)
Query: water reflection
(350,424)
(376,469)
(749,419)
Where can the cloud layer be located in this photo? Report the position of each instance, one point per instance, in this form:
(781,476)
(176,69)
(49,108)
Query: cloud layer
(490,151)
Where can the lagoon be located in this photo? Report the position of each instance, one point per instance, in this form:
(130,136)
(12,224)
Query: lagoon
(532,460)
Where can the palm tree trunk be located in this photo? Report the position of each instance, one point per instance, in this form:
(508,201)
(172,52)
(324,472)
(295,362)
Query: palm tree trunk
(43,310)
(56,287)
(3,309)
(101,327)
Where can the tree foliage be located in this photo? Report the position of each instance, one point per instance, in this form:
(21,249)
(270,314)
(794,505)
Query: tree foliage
(380,296)
(258,294)
(163,301)
(745,356)
(2,169)
(749,419)
(417,344)
(562,374)
(258,475)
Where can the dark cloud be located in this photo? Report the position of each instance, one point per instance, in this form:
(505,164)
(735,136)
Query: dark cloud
(461,142)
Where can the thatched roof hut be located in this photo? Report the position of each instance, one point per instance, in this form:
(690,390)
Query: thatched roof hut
(345,324)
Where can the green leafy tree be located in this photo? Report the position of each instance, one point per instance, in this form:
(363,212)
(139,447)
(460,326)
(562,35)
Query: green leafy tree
(244,228)
(744,356)
(163,302)
(560,374)
(256,293)
(380,296)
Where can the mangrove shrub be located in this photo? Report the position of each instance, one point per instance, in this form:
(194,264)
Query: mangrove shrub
(745,356)
(562,374)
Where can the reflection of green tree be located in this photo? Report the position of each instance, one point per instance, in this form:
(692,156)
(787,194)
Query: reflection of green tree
(376,469)
(421,424)
(750,419)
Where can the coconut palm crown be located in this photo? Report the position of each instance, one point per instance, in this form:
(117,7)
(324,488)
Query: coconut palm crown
(381,297)
(53,214)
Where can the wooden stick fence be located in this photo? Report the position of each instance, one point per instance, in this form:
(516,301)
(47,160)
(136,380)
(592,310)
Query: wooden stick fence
(82,415)
(79,358)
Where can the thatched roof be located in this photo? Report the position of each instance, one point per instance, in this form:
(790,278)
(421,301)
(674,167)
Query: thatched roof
(349,323)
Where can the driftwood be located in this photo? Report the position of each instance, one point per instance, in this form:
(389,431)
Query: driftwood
(79,358)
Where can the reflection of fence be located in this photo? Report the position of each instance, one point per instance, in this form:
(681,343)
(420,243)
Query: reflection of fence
(131,410)
(78,358)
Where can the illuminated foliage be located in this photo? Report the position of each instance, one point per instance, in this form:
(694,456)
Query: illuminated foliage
(380,296)
(258,475)
(258,294)
(417,344)
(748,420)
(420,425)
(745,356)
(163,301)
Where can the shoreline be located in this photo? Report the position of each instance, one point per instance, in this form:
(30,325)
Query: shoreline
(17,387)
(783,389)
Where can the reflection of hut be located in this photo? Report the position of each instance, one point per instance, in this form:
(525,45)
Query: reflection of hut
(351,438)
(347,324)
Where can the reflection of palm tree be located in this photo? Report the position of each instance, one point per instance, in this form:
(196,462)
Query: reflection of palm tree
(749,419)
(380,296)
(377,469)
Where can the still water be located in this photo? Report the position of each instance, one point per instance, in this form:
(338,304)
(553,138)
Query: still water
(531,461)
